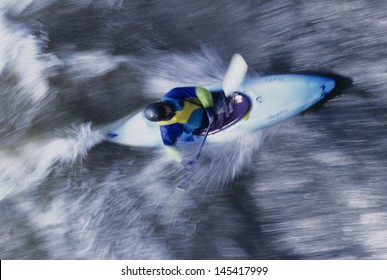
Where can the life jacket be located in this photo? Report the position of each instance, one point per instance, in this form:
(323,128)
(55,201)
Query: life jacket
(187,112)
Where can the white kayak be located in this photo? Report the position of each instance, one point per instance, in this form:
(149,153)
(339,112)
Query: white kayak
(259,102)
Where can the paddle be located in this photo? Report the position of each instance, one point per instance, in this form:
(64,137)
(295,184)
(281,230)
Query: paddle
(235,74)
(233,78)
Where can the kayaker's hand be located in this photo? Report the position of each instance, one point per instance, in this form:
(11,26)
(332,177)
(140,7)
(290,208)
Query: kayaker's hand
(210,115)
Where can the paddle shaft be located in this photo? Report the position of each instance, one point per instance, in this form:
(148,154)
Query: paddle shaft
(188,164)
(197,153)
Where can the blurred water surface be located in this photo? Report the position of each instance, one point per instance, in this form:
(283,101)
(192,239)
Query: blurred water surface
(313,187)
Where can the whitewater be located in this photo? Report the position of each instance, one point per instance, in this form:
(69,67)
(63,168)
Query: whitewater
(313,187)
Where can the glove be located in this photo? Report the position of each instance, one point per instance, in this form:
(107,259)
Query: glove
(210,115)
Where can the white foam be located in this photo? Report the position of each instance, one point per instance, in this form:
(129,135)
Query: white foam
(27,166)
(203,68)
(375,235)
(91,64)
(22,7)
(21,56)
(332,158)
(16,7)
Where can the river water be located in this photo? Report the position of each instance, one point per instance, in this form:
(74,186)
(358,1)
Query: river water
(313,187)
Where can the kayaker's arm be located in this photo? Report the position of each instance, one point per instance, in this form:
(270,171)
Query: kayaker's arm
(205,98)
(170,134)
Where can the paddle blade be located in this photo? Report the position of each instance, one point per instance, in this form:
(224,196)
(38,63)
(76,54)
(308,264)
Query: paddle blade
(235,74)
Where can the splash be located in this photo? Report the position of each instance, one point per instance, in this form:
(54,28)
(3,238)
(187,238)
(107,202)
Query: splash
(24,73)
(22,60)
(17,8)
(204,68)
(221,164)
(25,167)
(24,7)
(91,64)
